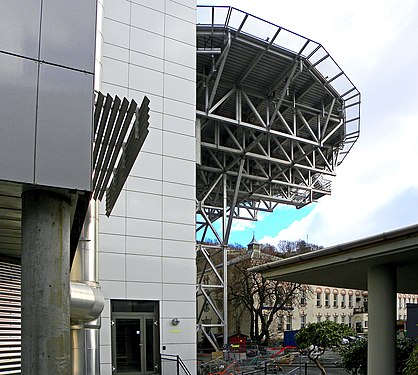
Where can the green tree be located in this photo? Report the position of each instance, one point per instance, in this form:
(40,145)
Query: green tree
(354,356)
(411,367)
(318,337)
(404,348)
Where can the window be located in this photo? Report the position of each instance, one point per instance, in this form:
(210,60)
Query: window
(350,301)
(336,318)
(326,300)
(350,321)
(399,303)
(303,297)
(327,317)
(335,301)
(343,319)
(302,321)
(318,300)
(318,318)
(343,301)
(289,323)
(365,323)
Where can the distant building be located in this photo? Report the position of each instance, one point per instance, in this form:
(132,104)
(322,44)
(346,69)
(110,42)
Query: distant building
(312,303)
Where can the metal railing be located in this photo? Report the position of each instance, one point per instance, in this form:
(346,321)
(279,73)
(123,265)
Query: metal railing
(318,57)
(295,368)
(172,364)
(288,362)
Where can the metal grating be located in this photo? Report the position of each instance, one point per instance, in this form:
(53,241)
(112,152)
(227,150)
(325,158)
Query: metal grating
(10,318)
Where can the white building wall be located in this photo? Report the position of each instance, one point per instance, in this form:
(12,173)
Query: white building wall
(147,246)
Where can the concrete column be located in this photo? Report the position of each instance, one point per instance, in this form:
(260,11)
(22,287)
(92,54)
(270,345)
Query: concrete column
(382,320)
(45,283)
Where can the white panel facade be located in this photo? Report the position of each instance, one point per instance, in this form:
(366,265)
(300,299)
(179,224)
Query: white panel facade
(149,49)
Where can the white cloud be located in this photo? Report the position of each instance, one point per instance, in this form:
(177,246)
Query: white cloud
(242,225)
(376,174)
(239,225)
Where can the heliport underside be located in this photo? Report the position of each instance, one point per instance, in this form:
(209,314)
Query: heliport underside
(275,116)
(291,116)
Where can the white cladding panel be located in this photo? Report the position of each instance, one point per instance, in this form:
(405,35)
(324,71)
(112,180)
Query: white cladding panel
(149,49)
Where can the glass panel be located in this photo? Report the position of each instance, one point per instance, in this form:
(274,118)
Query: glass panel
(133,306)
(128,340)
(149,341)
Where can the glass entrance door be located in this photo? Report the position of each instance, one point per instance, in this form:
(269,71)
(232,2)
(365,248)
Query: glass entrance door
(134,344)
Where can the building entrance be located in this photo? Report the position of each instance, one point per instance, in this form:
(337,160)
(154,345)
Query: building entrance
(134,339)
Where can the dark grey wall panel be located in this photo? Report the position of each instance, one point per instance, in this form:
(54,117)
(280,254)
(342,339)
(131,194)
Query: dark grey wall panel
(64,126)
(68,33)
(18,78)
(19,27)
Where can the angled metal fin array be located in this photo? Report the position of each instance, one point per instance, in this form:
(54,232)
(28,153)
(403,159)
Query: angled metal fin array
(120,129)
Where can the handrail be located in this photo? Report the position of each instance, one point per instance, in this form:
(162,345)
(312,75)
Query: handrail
(179,362)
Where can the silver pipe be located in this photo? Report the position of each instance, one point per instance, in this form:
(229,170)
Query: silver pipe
(85,345)
(87,301)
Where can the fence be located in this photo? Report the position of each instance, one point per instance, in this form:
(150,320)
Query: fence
(300,365)
(291,362)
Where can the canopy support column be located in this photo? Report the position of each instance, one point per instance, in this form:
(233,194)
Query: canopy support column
(382,318)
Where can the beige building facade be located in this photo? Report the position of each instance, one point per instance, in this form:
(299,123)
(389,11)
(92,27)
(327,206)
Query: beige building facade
(312,304)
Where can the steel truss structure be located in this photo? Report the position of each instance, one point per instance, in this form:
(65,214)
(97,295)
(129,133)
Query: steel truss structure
(275,116)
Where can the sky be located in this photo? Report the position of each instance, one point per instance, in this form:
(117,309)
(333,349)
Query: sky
(375,42)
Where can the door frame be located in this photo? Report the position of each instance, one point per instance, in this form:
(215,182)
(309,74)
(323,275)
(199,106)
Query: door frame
(142,316)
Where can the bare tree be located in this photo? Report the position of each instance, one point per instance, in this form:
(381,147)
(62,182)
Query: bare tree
(286,249)
(258,298)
